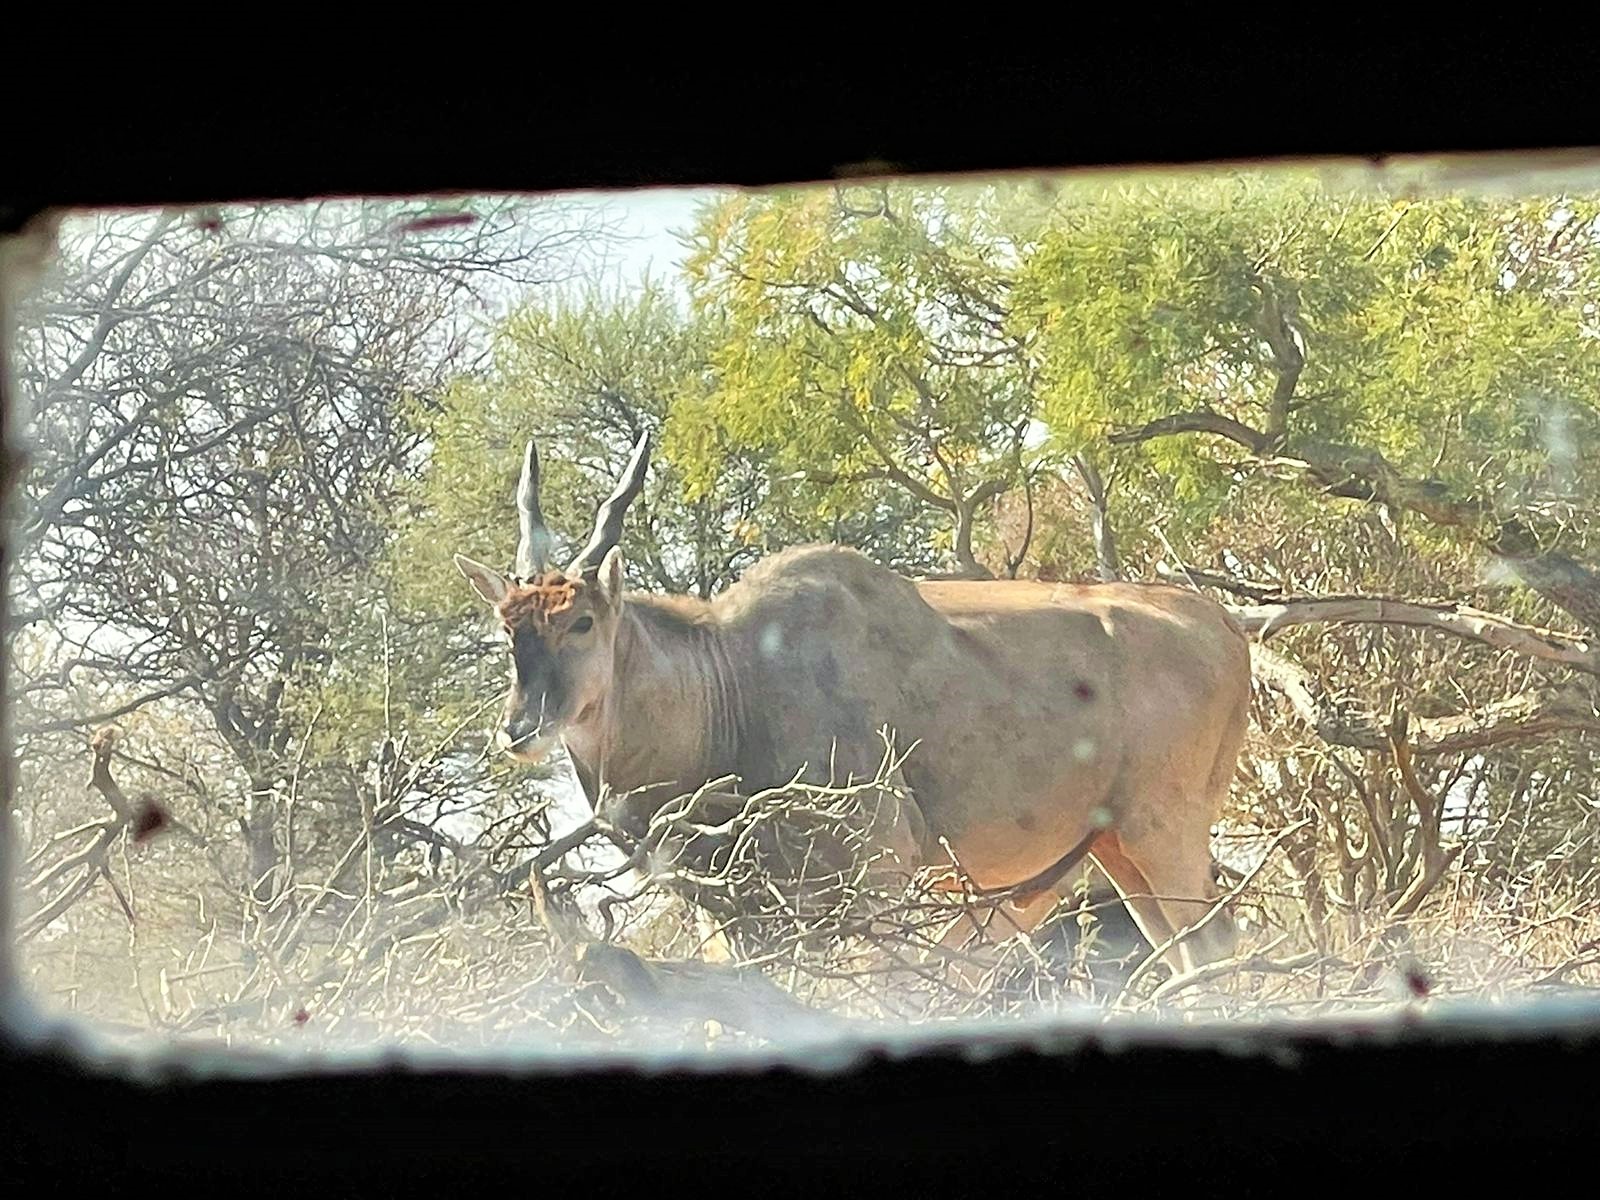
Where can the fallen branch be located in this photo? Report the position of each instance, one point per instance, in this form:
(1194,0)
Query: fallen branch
(1217,906)
(736,996)
(1587,957)
(1259,962)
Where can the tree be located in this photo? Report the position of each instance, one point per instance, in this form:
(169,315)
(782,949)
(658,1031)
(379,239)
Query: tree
(1425,356)
(585,379)
(217,436)
(867,352)
(1355,417)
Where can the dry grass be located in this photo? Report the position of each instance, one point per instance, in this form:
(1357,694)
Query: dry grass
(470,959)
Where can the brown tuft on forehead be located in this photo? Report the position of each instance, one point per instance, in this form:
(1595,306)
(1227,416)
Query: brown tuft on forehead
(539,600)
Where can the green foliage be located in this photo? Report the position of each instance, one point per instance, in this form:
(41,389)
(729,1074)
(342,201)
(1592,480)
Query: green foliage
(911,369)
(860,361)
(866,349)
(1447,333)
(857,362)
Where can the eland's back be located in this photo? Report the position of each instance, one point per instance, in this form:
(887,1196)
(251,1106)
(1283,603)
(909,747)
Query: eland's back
(1039,712)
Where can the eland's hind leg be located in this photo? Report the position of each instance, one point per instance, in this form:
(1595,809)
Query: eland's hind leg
(970,942)
(1139,894)
(1174,873)
(1165,837)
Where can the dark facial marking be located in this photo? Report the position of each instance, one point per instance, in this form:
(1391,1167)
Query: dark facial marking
(539,677)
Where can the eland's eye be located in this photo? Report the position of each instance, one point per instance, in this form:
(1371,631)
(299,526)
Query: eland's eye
(582,625)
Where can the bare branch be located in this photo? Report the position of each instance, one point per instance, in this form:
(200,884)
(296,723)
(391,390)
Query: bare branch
(1458,620)
(1518,719)
(1199,577)
(1430,813)
(1358,473)
(891,464)
(1105,542)
(1194,422)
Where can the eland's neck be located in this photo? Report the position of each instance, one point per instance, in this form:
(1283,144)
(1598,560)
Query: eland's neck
(673,715)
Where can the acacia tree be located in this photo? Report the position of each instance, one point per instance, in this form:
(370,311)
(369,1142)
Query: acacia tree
(1310,394)
(585,379)
(1428,356)
(868,351)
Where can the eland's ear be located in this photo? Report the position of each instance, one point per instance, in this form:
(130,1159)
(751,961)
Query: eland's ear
(610,577)
(486,581)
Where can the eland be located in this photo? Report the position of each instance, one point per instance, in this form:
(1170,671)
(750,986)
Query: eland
(1050,721)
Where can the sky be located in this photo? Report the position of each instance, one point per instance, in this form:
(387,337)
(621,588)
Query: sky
(647,221)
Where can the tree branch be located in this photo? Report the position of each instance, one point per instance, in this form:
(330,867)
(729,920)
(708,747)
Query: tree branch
(92,857)
(1105,542)
(1430,814)
(1200,577)
(1275,324)
(1342,724)
(1458,620)
(1359,473)
(1194,422)
(892,466)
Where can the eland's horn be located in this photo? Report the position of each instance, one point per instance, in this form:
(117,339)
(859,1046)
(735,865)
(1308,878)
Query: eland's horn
(608,521)
(533,547)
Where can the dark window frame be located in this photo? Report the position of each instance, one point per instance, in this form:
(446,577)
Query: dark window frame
(1241,1104)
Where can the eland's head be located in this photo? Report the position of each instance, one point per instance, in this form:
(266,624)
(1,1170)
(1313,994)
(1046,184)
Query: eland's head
(560,625)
